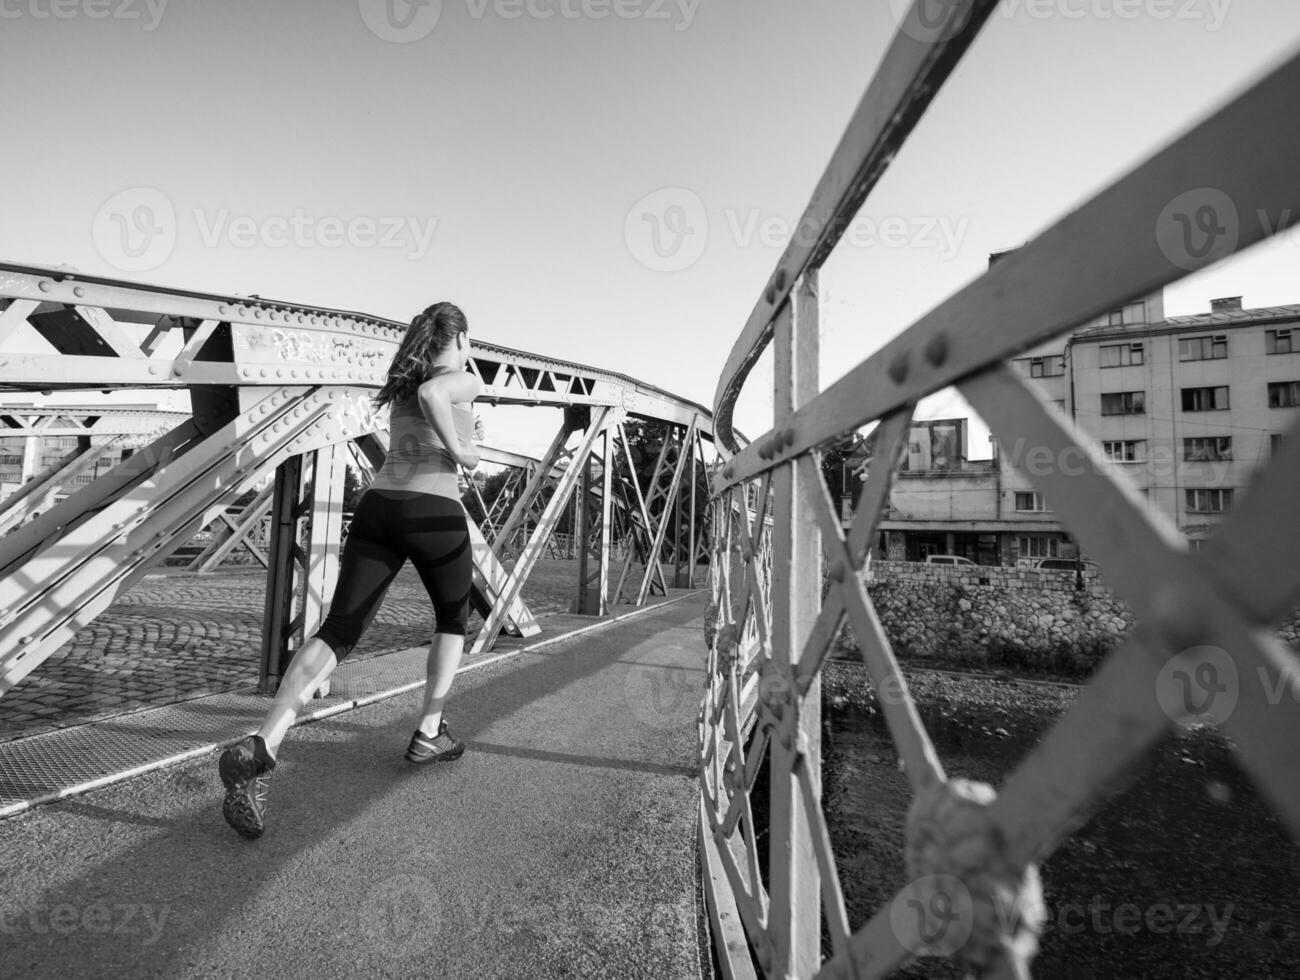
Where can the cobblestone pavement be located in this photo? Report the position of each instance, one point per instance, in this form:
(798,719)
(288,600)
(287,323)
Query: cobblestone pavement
(177,635)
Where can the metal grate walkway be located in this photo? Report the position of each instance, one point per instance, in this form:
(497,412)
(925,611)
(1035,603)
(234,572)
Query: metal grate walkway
(55,765)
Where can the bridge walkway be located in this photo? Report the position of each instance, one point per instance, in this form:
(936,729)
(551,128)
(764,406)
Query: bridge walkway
(562,844)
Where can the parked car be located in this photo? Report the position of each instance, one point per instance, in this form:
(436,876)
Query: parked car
(1065,564)
(947,560)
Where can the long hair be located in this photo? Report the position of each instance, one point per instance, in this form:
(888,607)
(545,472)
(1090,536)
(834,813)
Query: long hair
(430,333)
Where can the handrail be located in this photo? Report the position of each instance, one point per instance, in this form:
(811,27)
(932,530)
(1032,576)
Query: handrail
(914,68)
(971,852)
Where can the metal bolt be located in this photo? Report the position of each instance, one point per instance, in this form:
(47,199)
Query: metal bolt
(898,368)
(936,349)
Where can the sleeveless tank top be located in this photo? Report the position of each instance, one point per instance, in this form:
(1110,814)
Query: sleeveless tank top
(417,459)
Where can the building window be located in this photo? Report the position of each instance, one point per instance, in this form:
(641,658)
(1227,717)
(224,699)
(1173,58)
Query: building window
(1284,394)
(1274,443)
(1029,500)
(1196,544)
(1204,449)
(1123,403)
(1126,451)
(1052,366)
(1037,546)
(11,461)
(1205,399)
(1121,355)
(1203,348)
(1208,501)
(1277,342)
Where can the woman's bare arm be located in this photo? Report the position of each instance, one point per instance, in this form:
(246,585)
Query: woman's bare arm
(436,398)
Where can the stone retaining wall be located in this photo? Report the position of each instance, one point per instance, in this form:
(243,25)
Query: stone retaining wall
(1021,619)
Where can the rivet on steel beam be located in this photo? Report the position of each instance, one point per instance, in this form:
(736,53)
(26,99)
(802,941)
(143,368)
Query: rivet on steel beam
(728,472)
(178,370)
(78,291)
(898,368)
(257,314)
(936,349)
(44,285)
(223,309)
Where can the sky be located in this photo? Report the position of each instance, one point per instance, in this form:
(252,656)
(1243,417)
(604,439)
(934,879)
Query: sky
(605,181)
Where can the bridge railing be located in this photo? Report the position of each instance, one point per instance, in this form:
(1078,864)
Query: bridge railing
(972,888)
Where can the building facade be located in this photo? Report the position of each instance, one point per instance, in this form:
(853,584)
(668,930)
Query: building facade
(1184,408)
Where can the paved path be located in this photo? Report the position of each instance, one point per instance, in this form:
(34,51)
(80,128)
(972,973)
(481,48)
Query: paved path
(561,845)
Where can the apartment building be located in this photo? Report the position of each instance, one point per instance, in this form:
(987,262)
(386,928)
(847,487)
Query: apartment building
(41,441)
(1185,408)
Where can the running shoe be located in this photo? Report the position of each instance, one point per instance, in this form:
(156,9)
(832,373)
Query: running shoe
(246,773)
(443,747)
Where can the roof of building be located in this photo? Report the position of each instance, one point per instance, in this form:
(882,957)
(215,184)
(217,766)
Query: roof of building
(1193,322)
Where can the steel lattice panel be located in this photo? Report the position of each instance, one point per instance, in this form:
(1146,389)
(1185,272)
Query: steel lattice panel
(69,761)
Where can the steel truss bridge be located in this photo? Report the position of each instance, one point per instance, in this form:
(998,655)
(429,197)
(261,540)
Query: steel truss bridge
(286,389)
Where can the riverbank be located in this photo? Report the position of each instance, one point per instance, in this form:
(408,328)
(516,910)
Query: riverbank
(1185,874)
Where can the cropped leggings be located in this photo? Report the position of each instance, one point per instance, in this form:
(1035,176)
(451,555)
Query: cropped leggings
(388,527)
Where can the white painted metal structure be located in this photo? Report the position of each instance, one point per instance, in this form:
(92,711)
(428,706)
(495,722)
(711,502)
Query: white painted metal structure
(276,388)
(971,852)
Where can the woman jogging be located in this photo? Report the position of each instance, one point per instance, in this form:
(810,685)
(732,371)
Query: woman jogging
(411,510)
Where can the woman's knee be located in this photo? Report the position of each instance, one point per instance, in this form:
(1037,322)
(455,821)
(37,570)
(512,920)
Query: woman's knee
(451,618)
